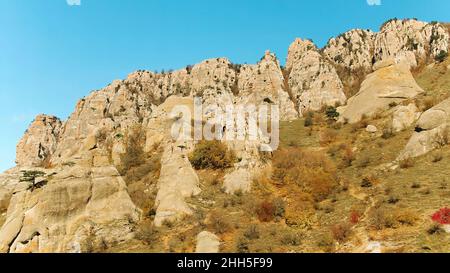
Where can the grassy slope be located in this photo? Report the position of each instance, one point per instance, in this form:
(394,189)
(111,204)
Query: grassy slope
(435,80)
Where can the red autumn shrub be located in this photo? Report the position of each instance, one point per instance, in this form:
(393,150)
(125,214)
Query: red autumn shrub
(354,217)
(442,216)
(341,232)
(266,211)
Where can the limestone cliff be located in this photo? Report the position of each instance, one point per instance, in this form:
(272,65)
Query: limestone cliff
(80,199)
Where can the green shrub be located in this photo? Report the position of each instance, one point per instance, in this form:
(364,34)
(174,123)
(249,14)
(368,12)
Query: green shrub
(407,163)
(332,112)
(219,223)
(291,238)
(441,56)
(309,119)
(242,246)
(147,233)
(388,132)
(134,155)
(212,155)
(280,207)
(252,232)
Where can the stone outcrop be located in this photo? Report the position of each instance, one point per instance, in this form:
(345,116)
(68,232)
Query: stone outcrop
(388,85)
(371,129)
(432,131)
(177,180)
(39,141)
(353,49)
(78,209)
(313,80)
(8,181)
(410,41)
(83,203)
(264,84)
(404,117)
(207,242)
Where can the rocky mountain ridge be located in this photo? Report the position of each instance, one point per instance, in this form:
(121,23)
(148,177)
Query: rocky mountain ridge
(86,202)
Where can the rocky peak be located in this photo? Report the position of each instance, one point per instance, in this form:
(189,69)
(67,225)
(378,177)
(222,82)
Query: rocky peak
(264,83)
(352,49)
(297,49)
(410,41)
(313,80)
(213,80)
(39,141)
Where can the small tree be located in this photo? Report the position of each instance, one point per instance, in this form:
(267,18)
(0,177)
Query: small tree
(332,112)
(212,155)
(30,177)
(441,56)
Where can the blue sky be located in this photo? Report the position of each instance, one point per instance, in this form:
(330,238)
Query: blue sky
(52,53)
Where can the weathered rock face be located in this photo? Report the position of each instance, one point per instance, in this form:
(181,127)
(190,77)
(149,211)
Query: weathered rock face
(241,177)
(432,131)
(78,209)
(177,180)
(8,181)
(409,41)
(172,190)
(85,203)
(404,117)
(353,49)
(99,116)
(213,80)
(39,141)
(264,83)
(313,81)
(392,84)
(207,242)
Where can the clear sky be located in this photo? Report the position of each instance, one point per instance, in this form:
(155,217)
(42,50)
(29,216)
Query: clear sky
(53,53)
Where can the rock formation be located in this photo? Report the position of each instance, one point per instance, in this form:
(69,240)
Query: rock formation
(78,208)
(313,81)
(388,85)
(432,131)
(409,41)
(353,49)
(404,117)
(264,83)
(82,202)
(207,242)
(39,141)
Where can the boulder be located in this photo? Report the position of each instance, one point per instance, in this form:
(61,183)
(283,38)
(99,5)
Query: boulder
(371,129)
(404,117)
(432,131)
(392,84)
(207,242)
(78,209)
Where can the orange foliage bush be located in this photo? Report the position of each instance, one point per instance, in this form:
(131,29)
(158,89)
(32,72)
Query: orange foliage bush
(313,172)
(266,211)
